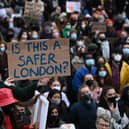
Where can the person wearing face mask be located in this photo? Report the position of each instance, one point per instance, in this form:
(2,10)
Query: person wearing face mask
(54,97)
(125,51)
(55,83)
(94,87)
(35,35)
(104,46)
(121,40)
(87,68)
(124,103)
(89,80)
(78,49)
(56,33)
(66,30)
(100,61)
(110,103)
(83,27)
(53,118)
(73,37)
(102,76)
(83,112)
(23,35)
(118,70)
(3,61)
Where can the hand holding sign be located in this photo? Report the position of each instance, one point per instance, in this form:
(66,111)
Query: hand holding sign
(9,82)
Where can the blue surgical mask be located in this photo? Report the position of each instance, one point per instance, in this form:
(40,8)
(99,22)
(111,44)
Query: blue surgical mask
(101,20)
(2,49)
(68,27)
(35,36)
(73,36)
(125,51)
(90,62)
(102,73)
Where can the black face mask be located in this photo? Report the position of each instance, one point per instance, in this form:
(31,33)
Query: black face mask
(89,82)
(126,29)
(86,99)
(112,99)
(55,120)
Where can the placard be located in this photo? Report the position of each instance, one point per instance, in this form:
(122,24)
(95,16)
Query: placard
(95,26)
(40,111)
(34,8)
(35,59)
(73,6)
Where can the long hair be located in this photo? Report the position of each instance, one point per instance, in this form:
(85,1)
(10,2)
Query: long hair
(103,102)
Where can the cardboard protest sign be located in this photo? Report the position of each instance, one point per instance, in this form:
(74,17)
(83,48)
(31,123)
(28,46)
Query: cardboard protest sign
(96,26)
(72,6)
(38,58)
(34,8)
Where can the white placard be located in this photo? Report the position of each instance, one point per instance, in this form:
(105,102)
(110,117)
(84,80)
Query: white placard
(72,6)
(40,111)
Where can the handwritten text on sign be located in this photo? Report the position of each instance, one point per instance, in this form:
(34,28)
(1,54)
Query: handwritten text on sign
(39,58)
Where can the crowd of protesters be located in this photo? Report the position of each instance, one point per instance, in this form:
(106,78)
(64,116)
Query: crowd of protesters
(96,95)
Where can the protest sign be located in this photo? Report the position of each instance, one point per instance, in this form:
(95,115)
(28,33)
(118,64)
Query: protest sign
(73,6)
(96,26)
(38,58)
(34,8)
(40,111)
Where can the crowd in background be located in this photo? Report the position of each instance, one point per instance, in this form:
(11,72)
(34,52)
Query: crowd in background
(96,95)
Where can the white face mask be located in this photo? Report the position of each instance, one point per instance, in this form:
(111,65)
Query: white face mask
(83,26)
(56,101)
(80,43)
(57,88)
(56,35)
(24,36)
(118,57)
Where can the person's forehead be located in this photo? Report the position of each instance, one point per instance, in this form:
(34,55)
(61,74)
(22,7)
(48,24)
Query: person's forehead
(2,45)
(88,56)
(126,46)
(100,59)
(54,110)
(103,121)
(58,8)
(102,68)
(111,91)
(55,82)
(85,89)
(88,76)
(56,95)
